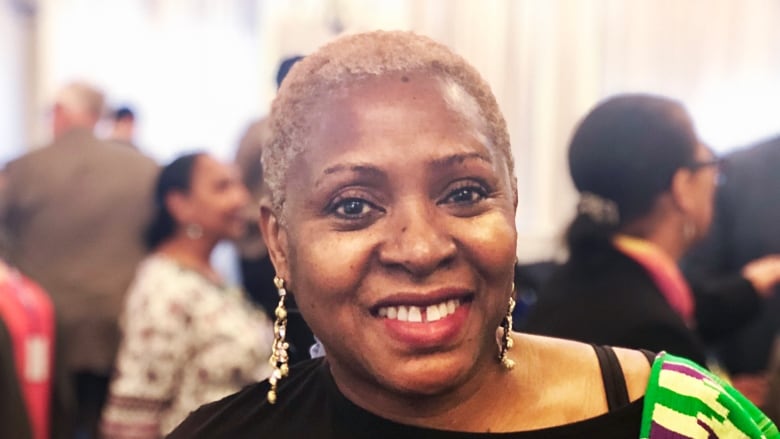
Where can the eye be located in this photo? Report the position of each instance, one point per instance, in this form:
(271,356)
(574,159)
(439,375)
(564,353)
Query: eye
(466,193)
(352,208)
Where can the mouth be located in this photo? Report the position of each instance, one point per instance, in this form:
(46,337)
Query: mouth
(425,321)
(422,314)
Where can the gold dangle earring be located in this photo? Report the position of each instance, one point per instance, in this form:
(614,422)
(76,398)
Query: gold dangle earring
(279,355)
(689,231)
(506,336)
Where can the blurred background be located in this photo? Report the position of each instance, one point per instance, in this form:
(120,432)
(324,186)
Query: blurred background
(197,72)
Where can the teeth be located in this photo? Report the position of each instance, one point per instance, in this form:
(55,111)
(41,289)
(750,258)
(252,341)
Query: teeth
(415,314)
(432,313)
(442,310)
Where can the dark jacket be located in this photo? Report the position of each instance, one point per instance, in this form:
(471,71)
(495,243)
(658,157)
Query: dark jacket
(614,301)
(75,212)
(746,227)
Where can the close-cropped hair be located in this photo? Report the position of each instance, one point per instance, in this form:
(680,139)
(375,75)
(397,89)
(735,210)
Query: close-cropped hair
(354,58)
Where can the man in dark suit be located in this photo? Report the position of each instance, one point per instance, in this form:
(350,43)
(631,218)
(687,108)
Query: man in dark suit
(74,213)
(745,238)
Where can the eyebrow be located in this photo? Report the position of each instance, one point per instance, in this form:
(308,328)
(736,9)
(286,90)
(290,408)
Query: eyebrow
(374,172)
(446,162)
(366,170)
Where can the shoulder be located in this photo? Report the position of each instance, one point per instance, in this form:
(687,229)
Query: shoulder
(681,395)
(636,370)
(302,399)
(575,358)
(160,279)
(23,163)
(114,154)
(567,375)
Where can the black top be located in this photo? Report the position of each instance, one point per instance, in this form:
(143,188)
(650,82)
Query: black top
(612,300)
(311,406)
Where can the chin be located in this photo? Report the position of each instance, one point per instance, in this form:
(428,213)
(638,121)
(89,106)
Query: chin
(429,377)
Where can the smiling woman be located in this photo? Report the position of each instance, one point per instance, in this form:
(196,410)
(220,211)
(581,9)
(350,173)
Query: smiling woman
(392,222)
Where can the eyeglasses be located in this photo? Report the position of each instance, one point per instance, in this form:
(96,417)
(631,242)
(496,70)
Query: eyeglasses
(718,162)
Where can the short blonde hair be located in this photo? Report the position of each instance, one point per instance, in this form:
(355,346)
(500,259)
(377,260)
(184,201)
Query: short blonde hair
(353,58)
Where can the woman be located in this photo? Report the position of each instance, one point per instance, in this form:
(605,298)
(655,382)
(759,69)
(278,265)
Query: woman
(392,221)
(647,186)
(188,338)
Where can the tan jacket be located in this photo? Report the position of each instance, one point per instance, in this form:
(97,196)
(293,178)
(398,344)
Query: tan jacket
(74,214)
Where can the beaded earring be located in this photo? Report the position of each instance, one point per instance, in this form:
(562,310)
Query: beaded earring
(279,357)
(506,336)
(193,231)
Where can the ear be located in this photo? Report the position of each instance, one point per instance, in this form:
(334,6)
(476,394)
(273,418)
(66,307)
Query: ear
(179,207)
(683,190)
(275,236)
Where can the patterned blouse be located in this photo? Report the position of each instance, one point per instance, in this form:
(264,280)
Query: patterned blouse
(186,341)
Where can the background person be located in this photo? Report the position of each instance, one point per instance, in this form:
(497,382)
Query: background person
(745,241)
(188,337)
(647,185)
(123,126)
(74,213)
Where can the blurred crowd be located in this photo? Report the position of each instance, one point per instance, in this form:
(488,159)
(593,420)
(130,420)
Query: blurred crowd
(115,323)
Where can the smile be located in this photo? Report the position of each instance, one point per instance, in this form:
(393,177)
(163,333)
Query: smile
(419,314)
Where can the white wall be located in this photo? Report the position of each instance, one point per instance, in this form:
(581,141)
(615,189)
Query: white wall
(14,58)
(549,61)
(190,69)
(199,71)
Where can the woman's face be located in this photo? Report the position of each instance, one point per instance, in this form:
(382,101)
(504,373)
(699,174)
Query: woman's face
(705,183)
(399,241)
(216,199)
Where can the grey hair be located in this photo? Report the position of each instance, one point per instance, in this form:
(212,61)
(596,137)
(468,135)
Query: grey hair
(349,59)
(79,97)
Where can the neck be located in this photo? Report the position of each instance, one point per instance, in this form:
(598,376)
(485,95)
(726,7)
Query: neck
(193,253)
(666,234)
(472,406)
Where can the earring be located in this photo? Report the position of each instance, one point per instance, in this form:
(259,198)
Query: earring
(506,336)
(689,231)
(193,231)
(279,355)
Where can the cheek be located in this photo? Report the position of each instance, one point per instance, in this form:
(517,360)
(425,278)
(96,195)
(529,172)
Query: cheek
(492,241)
(327,266)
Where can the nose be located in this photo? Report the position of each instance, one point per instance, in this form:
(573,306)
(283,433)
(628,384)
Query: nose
(241,195)
(418,241)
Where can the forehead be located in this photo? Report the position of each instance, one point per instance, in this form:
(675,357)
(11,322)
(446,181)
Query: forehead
(399,128)
(207,167)
(395,106)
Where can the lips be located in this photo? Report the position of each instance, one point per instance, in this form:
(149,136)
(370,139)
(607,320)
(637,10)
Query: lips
(425,321)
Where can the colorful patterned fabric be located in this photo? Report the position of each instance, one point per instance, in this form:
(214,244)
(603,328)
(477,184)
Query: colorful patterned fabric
(664,271)
(683,400)
(186,341)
